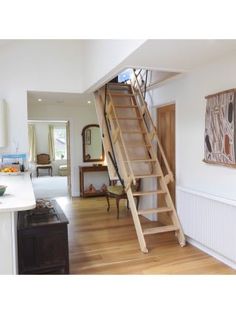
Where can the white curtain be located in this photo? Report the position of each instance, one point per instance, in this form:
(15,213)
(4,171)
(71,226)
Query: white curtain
(32,142)
(51,144)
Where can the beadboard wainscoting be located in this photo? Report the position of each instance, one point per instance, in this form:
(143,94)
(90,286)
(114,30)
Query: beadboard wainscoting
(209,223)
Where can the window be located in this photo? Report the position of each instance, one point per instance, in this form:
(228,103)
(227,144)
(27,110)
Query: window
(60,143)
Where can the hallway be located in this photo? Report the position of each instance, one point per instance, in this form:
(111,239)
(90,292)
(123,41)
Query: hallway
(50,187)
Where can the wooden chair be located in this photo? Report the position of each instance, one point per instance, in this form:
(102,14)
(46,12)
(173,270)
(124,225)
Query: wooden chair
(43,162)
(117,192)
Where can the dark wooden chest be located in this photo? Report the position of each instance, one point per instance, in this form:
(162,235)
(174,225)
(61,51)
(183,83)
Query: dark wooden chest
(43,241)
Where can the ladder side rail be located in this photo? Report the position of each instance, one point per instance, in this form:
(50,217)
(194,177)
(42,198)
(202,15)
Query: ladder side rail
(127,180)
(118,146)
(137,223)
(150,148)
(133,209)
(120,136)
(104,132)
(146,131)
(164,187)
(168,199)
(173,213)
(111,154)
(154,130)
(119,153)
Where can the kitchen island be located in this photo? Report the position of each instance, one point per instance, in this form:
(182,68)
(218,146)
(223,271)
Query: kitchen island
(19,196)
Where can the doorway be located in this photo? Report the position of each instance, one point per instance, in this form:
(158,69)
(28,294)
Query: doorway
(166,132)
(50,138)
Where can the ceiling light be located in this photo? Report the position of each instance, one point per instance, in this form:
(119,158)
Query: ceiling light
(89,101)
(39,99)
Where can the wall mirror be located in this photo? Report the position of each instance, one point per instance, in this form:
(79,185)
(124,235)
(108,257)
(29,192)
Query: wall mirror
(92,143)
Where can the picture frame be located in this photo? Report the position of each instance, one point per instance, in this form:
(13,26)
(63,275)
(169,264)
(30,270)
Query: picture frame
(220,129)
(88,137)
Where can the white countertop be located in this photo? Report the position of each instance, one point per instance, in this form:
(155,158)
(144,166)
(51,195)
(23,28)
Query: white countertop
(19,194)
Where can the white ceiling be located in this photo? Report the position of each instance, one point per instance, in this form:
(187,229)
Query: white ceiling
(172,55)
(77,99)
(159,55)
(160,76)
(51,98)
(179,55)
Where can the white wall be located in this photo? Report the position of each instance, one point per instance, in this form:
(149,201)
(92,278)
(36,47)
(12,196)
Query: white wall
(52,65)
(41,133)
(206,222)
(39,65)
(79,116)
(189,94)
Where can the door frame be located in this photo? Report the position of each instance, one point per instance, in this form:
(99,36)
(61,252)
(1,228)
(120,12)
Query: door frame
(68,146)
(158,108)
(68,150)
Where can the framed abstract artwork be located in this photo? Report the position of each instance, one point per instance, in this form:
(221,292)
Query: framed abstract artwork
(220,135)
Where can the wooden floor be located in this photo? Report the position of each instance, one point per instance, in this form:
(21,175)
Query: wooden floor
(101,244)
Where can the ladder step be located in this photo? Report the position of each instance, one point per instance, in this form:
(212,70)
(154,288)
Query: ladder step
(141,144)
(143,176)
(134,132)
(122,95)
(154,210)
(148,193)
(141,160)
(118,85)
(127,118)
(126,106)
(160,229)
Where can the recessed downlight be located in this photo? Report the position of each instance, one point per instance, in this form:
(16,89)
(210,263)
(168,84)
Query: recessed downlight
(39,99)
(89,101)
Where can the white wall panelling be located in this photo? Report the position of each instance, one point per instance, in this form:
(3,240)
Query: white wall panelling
(209,220)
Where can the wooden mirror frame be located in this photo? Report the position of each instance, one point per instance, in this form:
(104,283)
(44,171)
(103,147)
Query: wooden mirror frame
(83,137)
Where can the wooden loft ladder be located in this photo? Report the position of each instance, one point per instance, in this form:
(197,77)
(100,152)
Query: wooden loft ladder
(133,138)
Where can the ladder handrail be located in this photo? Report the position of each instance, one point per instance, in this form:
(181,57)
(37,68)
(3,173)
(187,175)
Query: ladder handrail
(144,79)
(144,105)
(145,84)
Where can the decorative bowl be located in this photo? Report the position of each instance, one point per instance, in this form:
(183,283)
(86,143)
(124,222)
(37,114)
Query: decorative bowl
(2,189)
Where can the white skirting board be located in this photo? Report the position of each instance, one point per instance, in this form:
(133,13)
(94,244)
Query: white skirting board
(209,223)
(211,253)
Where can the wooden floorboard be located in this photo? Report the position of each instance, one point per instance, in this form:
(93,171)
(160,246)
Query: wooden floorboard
(101,244)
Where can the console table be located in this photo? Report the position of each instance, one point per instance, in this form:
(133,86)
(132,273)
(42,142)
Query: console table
(82,171)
